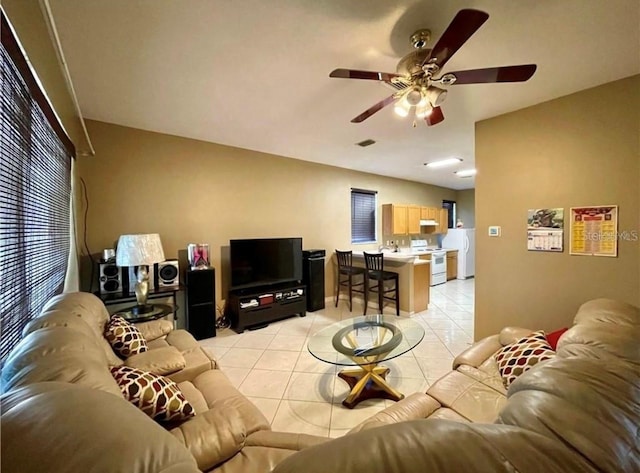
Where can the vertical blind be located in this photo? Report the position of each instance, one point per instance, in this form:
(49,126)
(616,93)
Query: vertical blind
(363,216)
(35,193)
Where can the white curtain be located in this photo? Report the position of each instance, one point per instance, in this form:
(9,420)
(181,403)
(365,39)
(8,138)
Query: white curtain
(72,278)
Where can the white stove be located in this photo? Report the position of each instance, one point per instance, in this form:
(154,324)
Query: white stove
(438,260)
(420,246)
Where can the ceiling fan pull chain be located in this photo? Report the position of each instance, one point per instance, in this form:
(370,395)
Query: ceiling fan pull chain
(414,123)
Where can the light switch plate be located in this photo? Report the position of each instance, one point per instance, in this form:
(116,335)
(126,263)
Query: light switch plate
(495,231)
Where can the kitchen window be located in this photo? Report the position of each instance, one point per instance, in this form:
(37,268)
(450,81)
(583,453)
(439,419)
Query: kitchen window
(363,216)
(35,195)
(450,205)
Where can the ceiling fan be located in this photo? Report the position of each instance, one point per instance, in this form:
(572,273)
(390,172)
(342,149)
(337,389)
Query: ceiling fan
(416,80)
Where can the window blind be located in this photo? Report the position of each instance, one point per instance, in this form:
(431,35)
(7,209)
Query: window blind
(363,216)
(35,193)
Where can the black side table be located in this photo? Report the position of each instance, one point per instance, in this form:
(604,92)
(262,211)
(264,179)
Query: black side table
(159,311)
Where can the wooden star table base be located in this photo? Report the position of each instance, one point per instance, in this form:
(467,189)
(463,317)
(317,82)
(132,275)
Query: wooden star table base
(368,382)
(361,344)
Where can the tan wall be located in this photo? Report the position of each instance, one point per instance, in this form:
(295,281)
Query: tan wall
(582,149)
(192,191)
(465,207)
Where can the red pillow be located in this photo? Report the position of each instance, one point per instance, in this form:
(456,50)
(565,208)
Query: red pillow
(553,337)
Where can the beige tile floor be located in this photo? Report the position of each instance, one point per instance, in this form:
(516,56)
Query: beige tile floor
(299,393)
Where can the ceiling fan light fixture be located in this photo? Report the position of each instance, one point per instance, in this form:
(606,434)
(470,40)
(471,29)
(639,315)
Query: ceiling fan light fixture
(414,97)
(443,163)
(436,95)
(401,108)
(424,111)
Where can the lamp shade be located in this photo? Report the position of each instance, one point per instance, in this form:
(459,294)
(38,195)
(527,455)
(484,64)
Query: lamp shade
(139,250)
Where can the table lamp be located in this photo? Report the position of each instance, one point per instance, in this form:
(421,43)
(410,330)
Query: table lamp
(140,251)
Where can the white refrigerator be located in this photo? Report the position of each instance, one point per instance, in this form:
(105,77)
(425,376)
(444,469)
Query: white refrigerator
(463,240)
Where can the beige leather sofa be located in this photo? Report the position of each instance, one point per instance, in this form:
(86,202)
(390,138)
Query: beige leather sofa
(472,392)
(578,412)
(62,411)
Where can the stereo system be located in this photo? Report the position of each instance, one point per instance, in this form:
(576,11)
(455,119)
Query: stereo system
(113,279)
(167,273)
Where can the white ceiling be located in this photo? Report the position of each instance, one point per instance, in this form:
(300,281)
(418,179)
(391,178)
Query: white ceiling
(255,73)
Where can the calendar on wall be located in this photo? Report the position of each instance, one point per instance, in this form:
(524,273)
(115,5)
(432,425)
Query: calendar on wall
(594,231)
(545,229)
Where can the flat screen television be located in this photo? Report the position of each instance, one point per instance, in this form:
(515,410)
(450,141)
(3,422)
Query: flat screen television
(265,261)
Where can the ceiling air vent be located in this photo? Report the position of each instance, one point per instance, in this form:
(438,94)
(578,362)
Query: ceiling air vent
(366,143)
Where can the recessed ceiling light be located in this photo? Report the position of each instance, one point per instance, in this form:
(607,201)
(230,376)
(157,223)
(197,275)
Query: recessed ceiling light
(466,173)
(443,163)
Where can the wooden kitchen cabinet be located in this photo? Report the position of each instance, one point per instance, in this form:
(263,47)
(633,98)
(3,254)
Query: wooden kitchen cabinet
(394,219)
(400,219)
(421,287)
(452,265)
(413,219)
(443,221)
(429,213)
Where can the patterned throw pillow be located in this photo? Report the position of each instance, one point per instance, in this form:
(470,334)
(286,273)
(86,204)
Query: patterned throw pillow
(515,359)
(157,396)
(124,338)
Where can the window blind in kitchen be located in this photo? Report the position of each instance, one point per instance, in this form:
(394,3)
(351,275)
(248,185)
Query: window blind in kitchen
(363,216)
(35,196)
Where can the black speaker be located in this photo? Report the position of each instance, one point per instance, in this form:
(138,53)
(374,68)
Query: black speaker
(167,273)
(200,299)
(110,278)
(313,278)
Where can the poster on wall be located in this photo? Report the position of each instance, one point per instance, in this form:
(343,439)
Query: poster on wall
(545,230)
(594,231)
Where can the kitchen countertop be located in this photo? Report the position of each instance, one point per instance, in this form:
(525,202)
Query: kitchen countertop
(412,258)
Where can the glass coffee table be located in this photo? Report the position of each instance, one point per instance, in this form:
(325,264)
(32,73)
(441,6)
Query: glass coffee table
(363,343)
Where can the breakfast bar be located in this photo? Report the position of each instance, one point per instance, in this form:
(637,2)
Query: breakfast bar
(414,278)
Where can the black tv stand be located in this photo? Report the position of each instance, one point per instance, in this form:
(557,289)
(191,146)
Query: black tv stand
(257,306)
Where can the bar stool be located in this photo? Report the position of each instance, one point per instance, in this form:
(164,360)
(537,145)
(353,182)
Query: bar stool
(346,275)
(374,263)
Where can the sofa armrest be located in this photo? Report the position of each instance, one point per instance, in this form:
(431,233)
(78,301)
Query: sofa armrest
(161,361)
(478,353)
(509,335)
(154,329)
(415,406)
(213,436)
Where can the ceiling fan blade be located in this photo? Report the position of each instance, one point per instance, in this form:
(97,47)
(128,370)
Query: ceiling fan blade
(435,117)
(368,75)
(463,26)
(376,108)
(495,74)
